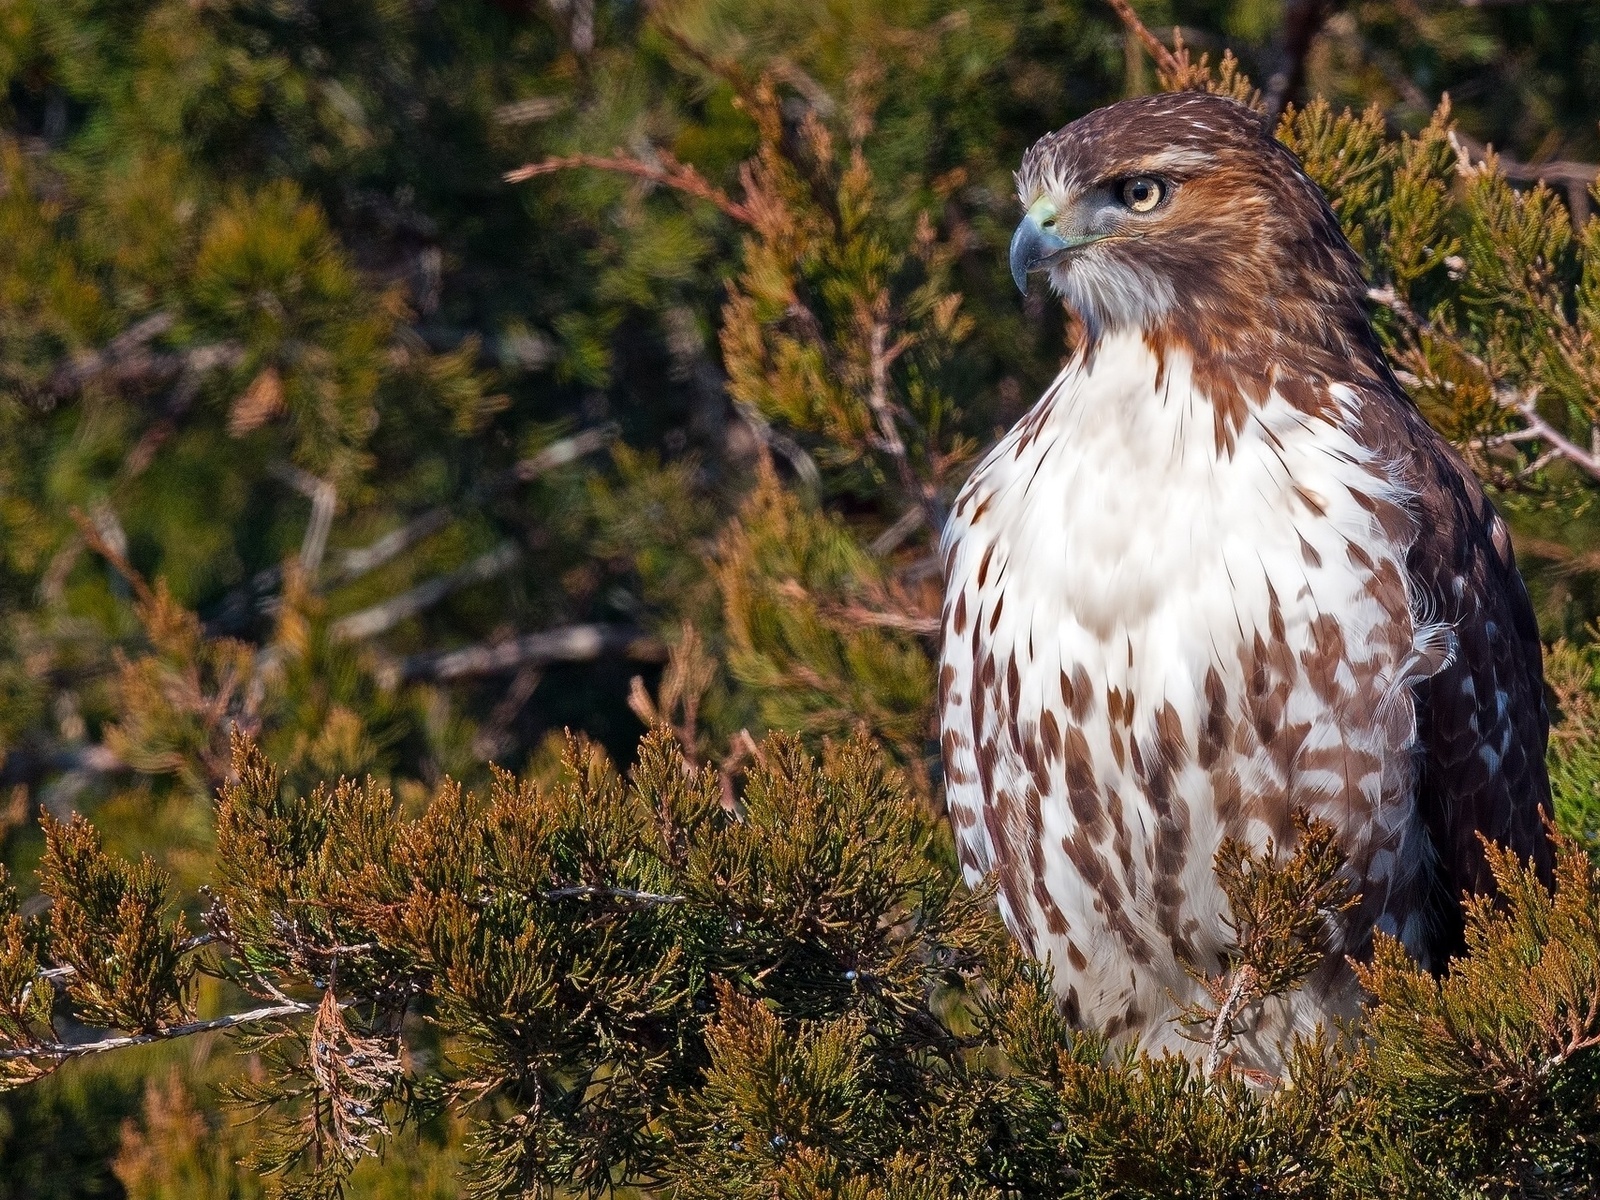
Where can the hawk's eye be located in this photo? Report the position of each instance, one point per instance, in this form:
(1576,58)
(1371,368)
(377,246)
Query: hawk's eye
(1142,193)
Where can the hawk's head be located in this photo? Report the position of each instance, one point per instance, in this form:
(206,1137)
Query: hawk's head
(1180,211)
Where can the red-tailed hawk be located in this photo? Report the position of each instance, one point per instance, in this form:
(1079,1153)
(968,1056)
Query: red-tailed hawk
(1223,570)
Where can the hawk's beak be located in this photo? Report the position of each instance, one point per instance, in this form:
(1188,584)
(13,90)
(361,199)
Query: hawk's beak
(1037,244)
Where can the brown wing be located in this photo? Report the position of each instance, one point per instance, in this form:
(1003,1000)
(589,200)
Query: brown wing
(1481,722)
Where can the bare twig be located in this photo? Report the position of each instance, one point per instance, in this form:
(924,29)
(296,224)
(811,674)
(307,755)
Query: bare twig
(572,643)
(380,617)
(127,358)
(24,766)
(346,566)
(324,498)
(1575,178)
(199,941)
(672,173)
(350,565)
(118,354)
(559,454)
(494,738)
(61,1051)
(909,522)
(1302,21)
(804,466)
(587,892)
(529,111)
(194,365)
(1244,982)
(858,614)
(96,541)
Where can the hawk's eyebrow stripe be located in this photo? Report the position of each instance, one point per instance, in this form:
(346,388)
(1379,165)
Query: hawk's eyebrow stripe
(1175,159)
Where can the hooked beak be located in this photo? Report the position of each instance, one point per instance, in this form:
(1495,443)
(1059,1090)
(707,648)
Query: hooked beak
(1036,244)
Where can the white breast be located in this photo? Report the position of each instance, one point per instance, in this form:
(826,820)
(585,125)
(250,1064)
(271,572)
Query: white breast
(1118,548)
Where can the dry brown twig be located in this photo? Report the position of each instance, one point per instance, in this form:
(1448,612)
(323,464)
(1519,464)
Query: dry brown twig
(92,536)
(883,358)
(860,614)
(680,176)
(1167,63)
(356,1074)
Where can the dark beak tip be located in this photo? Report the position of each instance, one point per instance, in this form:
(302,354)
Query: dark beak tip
(1031,248)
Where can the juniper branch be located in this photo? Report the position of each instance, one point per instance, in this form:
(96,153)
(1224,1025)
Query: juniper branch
(883,357)
(1523,403)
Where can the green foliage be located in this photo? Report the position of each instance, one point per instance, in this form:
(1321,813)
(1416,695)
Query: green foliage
(1571,672)
(1492,1069)
(809,627)
(1280,916)
(108,923)
(631,982)
(571,939)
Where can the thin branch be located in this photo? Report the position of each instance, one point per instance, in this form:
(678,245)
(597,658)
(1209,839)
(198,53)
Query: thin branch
(1222,1028)
(380,617)
(724,69)
(572,643)
(1303,21)
(586,892)
(1576,178)
(674,174)
(1498,439)
(858,614)
(882,358)
(910,521)
(64,1050)
(96,541)
(128,345)
(28,766)
(324,499)
(200,940)
(1539,464)
(796,455)
(494,738)
(910,623)
(1166,62)
(567,450)
(350,565)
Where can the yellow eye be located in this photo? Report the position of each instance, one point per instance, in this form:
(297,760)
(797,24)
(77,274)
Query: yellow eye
(1142,193)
